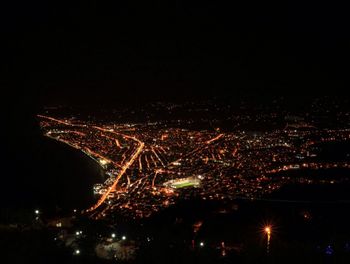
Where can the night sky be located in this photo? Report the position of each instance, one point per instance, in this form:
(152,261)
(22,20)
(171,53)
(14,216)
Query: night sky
(56,52)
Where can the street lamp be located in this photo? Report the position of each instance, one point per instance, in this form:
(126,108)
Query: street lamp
(37,212)
(268,234)
(201,244)
(123,237)
(113,235)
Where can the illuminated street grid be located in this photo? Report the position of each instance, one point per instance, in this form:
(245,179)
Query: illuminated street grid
(150,167)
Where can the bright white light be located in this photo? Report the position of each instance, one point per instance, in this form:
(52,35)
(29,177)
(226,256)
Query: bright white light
(201,244)
(113,235)
(103,161)
(77,251)
(36,212)
(123,237)
(268,230)
(77,233)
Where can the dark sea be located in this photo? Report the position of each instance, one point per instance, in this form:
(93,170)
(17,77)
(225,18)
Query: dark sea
(70,176)
(51,176)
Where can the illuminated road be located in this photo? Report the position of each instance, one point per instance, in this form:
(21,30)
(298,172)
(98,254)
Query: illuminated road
(207,143)
(122,171)
(214,139)
(55,120)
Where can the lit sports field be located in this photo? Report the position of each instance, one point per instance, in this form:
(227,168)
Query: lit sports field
(186,183)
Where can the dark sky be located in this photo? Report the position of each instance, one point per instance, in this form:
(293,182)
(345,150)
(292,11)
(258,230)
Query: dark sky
(93,51)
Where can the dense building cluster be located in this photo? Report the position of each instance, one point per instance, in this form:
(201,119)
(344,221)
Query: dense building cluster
(151,165)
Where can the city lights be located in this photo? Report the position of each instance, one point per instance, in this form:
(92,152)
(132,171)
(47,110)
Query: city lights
(212,132)
(145,174)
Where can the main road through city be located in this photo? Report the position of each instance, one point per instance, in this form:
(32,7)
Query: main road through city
(122,171)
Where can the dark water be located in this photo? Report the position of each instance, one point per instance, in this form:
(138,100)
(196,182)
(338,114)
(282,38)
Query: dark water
(53,177)
(68,177)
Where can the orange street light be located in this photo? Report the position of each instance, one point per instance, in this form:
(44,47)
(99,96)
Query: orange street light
(267,230)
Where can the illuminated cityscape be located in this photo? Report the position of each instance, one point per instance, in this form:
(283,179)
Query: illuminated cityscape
(149,167)
(204,177)
(175,132)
